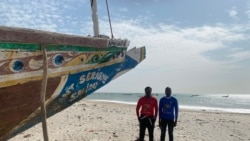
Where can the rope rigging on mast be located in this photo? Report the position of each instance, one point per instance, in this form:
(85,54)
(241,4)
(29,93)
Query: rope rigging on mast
(112,36)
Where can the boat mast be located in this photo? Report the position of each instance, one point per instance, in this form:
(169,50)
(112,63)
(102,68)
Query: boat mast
(95,17)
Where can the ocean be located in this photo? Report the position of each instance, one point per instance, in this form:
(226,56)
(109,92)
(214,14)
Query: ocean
(236,103)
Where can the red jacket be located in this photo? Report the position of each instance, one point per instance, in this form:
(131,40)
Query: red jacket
(147,106)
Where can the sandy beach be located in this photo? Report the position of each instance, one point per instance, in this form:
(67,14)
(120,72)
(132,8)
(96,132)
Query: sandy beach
(102,121)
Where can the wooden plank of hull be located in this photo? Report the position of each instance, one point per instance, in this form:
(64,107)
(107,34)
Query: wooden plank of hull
(19,101)
(10,34)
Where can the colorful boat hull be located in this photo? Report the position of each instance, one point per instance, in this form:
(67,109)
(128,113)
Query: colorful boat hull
(77,66)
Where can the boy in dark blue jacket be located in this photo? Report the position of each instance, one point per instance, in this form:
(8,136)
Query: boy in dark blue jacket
(168,114)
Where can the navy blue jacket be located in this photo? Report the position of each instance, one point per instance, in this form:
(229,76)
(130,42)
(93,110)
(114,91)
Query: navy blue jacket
(168,108)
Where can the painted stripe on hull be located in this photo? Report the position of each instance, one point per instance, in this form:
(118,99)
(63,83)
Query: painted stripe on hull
(77,86)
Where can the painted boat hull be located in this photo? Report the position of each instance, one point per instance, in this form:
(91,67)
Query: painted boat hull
(77,66)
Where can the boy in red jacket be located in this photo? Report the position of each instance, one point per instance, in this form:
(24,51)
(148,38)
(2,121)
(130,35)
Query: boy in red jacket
(146,111)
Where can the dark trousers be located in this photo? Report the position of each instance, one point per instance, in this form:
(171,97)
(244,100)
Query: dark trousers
(149,124)
(164,125)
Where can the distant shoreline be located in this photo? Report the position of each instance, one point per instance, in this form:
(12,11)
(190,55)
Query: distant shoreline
(186,108)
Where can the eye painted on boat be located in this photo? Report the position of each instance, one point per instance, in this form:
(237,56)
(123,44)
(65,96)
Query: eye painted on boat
(95,58)
(81,59)
(58,60)
(16,65)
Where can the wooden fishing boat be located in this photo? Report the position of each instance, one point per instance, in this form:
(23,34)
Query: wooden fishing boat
(60,68)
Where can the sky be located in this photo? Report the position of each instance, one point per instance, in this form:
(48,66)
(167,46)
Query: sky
(193,46)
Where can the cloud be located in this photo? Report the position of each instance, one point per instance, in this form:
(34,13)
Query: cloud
(247,12)
(38,14)
(51,15)
(179,56)
(233,13)
(240,55)
(184,41)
